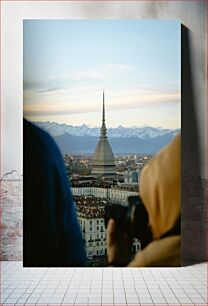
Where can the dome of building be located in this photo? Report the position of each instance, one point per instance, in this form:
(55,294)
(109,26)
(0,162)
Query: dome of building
(103,158)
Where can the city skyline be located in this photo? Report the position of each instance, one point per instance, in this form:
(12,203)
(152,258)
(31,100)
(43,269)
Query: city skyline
(68,63)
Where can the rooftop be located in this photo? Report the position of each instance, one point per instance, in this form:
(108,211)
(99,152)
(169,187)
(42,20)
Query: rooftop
(90,207)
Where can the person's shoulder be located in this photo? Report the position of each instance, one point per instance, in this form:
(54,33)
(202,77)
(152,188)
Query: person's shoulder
(41,139)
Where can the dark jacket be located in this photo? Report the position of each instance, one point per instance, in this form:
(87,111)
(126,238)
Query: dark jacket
(52,235)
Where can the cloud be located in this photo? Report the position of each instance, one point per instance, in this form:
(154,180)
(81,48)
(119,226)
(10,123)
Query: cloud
(81,100)
(39,109)
(46,84)
(100,74)
(118,67)
(86,75)
(60,83)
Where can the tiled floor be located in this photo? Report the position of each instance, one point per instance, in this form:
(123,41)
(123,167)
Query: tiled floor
(103,286)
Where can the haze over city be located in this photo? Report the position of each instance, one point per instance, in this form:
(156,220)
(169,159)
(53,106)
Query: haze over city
(68,63)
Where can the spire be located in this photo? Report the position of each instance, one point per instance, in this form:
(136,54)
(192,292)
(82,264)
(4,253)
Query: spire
(103,129)
(103,108)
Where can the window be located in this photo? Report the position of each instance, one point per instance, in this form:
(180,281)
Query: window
(97,221)
(90,228)
(97,228)
(90,222)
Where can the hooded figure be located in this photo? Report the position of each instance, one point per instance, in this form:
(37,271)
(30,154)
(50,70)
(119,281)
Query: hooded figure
(160,194)
(52,235)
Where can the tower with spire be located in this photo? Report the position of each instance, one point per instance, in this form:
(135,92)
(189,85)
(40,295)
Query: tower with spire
(103,158)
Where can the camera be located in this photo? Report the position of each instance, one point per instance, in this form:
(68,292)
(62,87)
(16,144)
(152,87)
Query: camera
(131,219)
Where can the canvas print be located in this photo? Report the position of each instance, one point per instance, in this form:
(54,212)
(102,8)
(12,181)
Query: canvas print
(102,124)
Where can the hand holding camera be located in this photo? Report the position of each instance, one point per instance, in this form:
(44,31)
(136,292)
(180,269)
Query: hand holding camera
(123,224)
(118,245)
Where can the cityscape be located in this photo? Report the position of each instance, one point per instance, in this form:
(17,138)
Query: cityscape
(80,74)
(97,181)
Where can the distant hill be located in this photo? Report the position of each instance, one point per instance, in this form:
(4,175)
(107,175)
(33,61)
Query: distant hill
(83,139)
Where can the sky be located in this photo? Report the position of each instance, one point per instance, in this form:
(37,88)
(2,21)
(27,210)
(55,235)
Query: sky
(68,64)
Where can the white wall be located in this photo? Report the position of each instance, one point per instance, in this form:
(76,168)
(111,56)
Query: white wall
(190,13)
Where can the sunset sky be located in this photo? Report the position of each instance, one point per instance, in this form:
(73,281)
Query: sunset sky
(68,63)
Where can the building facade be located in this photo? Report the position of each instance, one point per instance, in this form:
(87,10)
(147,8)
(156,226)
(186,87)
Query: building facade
(131,176)
(91,214)
(94,234)
(117,194)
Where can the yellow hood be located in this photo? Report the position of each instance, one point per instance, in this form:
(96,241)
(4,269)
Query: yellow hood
(160,188)
(160,193)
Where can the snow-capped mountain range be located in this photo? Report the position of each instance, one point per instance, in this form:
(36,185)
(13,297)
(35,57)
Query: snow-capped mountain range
(83,139)
(144,132)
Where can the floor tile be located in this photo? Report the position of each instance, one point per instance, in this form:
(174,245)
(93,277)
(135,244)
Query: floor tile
(144,286)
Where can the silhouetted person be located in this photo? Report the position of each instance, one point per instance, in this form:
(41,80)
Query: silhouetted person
(52,235)
(160,194)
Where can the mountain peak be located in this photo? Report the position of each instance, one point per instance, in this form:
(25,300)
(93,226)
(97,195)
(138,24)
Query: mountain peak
(143,132)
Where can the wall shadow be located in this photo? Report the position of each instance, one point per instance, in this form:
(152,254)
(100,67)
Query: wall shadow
(193,245)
